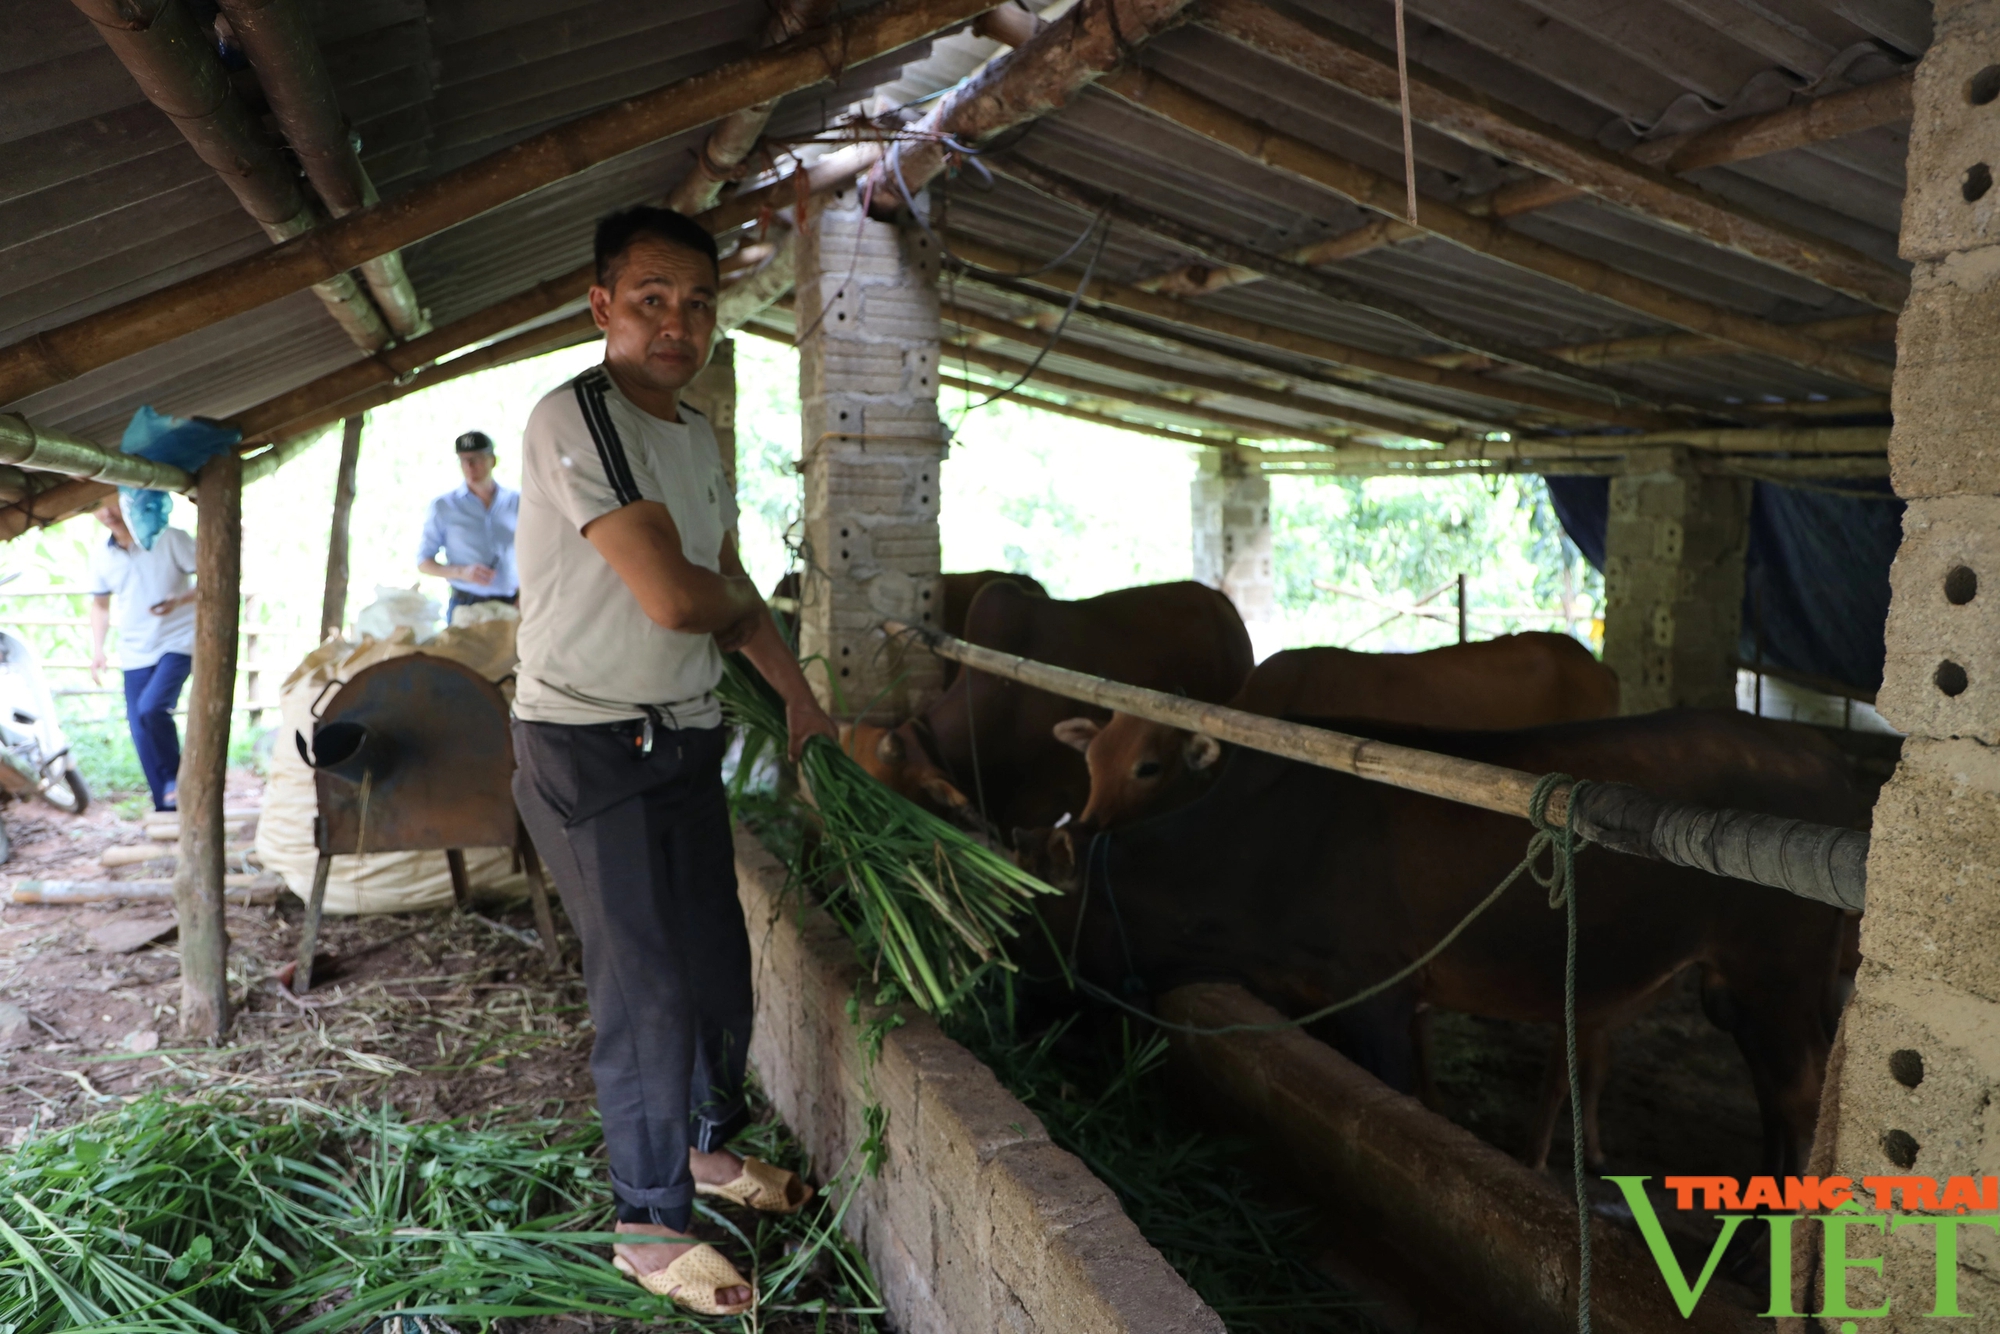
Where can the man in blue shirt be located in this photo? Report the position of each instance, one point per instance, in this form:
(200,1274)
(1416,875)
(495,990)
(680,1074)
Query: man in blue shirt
(474,527)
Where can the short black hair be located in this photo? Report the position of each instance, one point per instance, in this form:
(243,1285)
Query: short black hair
(617,231)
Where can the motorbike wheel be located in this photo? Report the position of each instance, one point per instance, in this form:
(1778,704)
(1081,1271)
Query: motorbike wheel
(68,793)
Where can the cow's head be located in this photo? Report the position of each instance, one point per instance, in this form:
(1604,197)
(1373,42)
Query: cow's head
(1047,854)
(897,758)
(1135,765)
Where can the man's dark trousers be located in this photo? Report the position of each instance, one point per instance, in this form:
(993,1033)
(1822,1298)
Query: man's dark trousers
(640,849)
(150,696)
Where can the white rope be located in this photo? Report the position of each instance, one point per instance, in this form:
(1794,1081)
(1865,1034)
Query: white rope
(1409,140)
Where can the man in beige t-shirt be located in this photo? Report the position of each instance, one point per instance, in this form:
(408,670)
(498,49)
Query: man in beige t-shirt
(631,592)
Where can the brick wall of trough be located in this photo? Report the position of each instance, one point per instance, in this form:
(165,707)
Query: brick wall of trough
(976,1222)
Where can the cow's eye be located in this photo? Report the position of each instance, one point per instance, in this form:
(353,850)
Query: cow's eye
(1147,769)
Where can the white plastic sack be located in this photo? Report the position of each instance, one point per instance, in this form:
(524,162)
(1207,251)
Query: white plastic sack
(378,882)
(478,613)
(394,609)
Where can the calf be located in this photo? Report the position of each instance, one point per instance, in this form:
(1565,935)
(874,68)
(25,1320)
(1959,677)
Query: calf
(1307,885)
(1139,768)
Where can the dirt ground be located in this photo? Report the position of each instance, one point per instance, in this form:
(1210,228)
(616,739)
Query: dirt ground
(448,1015)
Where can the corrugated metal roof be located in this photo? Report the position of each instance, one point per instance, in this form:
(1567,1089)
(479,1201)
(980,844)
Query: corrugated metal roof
(101,199)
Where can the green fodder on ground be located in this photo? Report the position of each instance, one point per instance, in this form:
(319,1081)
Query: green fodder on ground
(212,1216)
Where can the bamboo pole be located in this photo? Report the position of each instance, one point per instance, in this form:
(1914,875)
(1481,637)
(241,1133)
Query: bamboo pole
(198,879)
(39,449)
(55,356)
(333,607)
(177,69)
(1083,414)
(1816,861)
(294,78)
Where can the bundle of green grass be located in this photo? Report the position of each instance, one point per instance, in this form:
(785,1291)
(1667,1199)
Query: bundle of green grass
(918,895)
(198,1218)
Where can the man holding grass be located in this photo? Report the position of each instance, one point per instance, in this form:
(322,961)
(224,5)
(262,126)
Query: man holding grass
(631,592)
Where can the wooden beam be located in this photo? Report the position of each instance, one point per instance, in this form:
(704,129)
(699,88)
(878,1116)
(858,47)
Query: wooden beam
(1084,414)
(1761,439)
(198,907)
(333,606)
(736,135)
(1331,286)
(78,496)
(1039,76)
(1365,363)
(1210,383)
(1306,162)
(1871,328)
(1012,368)
(55,356)
(1470,116)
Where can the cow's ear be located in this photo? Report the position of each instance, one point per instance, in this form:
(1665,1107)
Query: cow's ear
(1076,733)
(944,794)
(1202,751)
(889,749)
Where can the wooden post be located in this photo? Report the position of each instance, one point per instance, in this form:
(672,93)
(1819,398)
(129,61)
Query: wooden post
(333,610)
(198,904)
(1463,636)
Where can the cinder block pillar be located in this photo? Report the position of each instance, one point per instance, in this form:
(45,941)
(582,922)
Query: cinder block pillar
(1673,582)
(1232,532)
(713,394)
(1919,1092)
(868,359)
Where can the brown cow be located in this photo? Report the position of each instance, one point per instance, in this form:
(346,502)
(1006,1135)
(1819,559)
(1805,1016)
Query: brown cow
(959,590)
(1181,637)
(1139,767)
(1307,885)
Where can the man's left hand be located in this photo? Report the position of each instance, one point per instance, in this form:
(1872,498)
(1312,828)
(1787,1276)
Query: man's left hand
(808,720)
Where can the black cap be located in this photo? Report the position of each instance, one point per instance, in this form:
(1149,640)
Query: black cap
(472,442)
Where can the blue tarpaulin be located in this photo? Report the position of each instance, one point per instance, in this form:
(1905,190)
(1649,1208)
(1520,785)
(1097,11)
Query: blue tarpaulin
(1816,576)
(186,443)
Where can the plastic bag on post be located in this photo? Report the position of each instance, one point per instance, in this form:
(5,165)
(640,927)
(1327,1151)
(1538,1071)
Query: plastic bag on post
(184,442)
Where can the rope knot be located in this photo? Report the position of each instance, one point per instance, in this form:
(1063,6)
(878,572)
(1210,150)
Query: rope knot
(1560,841)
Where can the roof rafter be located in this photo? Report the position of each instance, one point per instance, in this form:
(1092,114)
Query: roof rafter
(1294,157)
(1355,64)
(1366,363)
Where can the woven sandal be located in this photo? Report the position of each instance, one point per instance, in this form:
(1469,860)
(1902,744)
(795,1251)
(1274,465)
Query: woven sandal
(693,1280)
(767,1189)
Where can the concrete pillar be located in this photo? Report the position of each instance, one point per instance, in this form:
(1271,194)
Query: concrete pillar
(1673,582)
(1919,1090)
(713,394)
(1232,532)
(868,360)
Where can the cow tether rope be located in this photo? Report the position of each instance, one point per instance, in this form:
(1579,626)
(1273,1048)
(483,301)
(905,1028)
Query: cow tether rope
(1561,842)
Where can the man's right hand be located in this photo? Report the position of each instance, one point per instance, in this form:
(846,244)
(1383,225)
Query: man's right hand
(475,574)
(97,664)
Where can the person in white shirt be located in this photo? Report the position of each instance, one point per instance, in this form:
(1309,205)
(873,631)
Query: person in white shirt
(155,638)
(631,592)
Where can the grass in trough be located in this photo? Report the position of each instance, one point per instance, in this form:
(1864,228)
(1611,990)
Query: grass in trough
(209,1217)
(1188,1191)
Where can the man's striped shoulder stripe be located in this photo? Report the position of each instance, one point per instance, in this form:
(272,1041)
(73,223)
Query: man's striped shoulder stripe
(590,387)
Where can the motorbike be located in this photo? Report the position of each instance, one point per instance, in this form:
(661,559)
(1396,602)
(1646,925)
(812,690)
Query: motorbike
(35,759)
